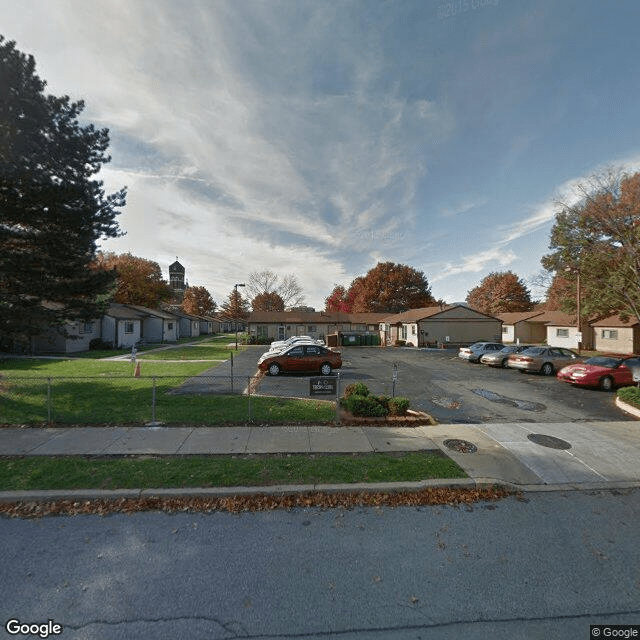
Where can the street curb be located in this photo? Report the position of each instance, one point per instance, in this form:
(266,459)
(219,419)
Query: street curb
(227,492)
(282,490)
(627,408)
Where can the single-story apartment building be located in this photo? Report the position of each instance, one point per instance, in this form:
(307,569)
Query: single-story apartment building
(440,325)
(613,335)
(79,335)
(562,330)
(523,327)
(122,325)
(281,325)
(157,325)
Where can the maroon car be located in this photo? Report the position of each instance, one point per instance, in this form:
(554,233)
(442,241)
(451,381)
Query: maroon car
(302,357)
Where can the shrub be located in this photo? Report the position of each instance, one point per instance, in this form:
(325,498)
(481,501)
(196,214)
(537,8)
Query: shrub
(630,395)
(398,406)
(400,343)
(365,406)
(358,388)
(98,344)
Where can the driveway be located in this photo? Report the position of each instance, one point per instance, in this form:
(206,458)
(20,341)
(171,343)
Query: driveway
(455,391)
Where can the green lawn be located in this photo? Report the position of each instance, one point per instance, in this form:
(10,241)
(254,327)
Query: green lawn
(220,471)
(106,392)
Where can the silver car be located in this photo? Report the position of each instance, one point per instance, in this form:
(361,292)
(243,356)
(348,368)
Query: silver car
(477,350)
(501,358)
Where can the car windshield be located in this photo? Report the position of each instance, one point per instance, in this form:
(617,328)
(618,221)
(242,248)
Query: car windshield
(602,361)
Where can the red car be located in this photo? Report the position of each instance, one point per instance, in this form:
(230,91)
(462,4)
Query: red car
(601,371)
(301,357)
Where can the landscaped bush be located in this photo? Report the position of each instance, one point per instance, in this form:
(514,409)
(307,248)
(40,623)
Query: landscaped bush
(398,406)
(400,343)
(630,395)
(98,344)
(365,406)
(357,388)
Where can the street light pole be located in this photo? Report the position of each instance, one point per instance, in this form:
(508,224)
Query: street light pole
(235,286)
(576,270)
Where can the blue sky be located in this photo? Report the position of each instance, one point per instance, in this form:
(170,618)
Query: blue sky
(320,137)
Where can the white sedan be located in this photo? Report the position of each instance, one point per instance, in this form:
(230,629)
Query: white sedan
(283,344)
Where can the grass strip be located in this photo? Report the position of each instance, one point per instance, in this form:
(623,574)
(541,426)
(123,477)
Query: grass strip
(71,472)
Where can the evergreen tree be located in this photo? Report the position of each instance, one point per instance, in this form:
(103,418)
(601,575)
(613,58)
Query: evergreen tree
(52,211)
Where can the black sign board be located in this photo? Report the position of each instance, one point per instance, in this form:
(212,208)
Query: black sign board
(323,386)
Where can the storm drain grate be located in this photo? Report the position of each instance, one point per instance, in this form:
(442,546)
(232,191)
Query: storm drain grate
(461,446)
(548,441)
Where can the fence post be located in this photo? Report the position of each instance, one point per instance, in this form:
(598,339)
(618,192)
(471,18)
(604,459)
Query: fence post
(232,372)
(153,402)
(49,400)
(338,399)
(249,394)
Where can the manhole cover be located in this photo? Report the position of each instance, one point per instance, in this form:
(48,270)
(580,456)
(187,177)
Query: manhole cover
(548,441)
(461,446)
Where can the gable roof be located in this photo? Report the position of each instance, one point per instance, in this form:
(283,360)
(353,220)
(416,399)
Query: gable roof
(124,312)
(314,317)
(513,317)
(415,315)
(615,321)
(153,312)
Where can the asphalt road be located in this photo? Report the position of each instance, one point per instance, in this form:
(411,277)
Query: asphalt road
(544,566)
(453,390)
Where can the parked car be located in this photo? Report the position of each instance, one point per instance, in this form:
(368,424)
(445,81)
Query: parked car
(601,371)
(301,357)
(501,358)
(283,344)
(477,350)
(545,360)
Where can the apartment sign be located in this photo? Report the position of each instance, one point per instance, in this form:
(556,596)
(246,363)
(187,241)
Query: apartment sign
(323,386)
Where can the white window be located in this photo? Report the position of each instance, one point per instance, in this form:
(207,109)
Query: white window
(610,334)
(562,333)
(170,326)
(263,331)
(505,329)
(403,332)
(413,330)
(128,327)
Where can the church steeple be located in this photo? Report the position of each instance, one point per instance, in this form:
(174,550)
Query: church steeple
(176,276)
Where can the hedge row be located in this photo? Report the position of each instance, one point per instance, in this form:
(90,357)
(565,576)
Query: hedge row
(358,400)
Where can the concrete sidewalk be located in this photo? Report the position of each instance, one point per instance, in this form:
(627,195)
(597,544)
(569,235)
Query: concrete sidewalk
(598,454)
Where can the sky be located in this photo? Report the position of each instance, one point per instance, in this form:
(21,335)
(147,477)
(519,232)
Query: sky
(320,137)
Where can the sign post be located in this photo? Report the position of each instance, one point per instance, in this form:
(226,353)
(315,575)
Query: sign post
(394,379)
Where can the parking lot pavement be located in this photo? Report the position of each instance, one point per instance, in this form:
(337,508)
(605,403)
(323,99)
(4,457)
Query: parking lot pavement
(455,391)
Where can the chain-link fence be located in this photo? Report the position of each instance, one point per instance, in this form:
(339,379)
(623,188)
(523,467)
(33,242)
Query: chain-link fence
(108,399)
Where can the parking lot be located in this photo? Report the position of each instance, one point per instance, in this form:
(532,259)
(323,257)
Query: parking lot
(453,390)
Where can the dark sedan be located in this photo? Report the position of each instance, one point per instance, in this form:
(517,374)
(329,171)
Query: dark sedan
(302,357)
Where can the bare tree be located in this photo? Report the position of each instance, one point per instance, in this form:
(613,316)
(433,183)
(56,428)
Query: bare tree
(261,283)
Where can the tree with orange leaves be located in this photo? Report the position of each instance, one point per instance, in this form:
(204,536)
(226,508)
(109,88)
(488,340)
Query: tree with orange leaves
(138,280)
(500,292)
(598,238)
(197,301)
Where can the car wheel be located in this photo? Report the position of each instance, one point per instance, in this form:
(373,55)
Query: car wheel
(325,369)
(274,369)
(547,369)
(505,363)
(606,384)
